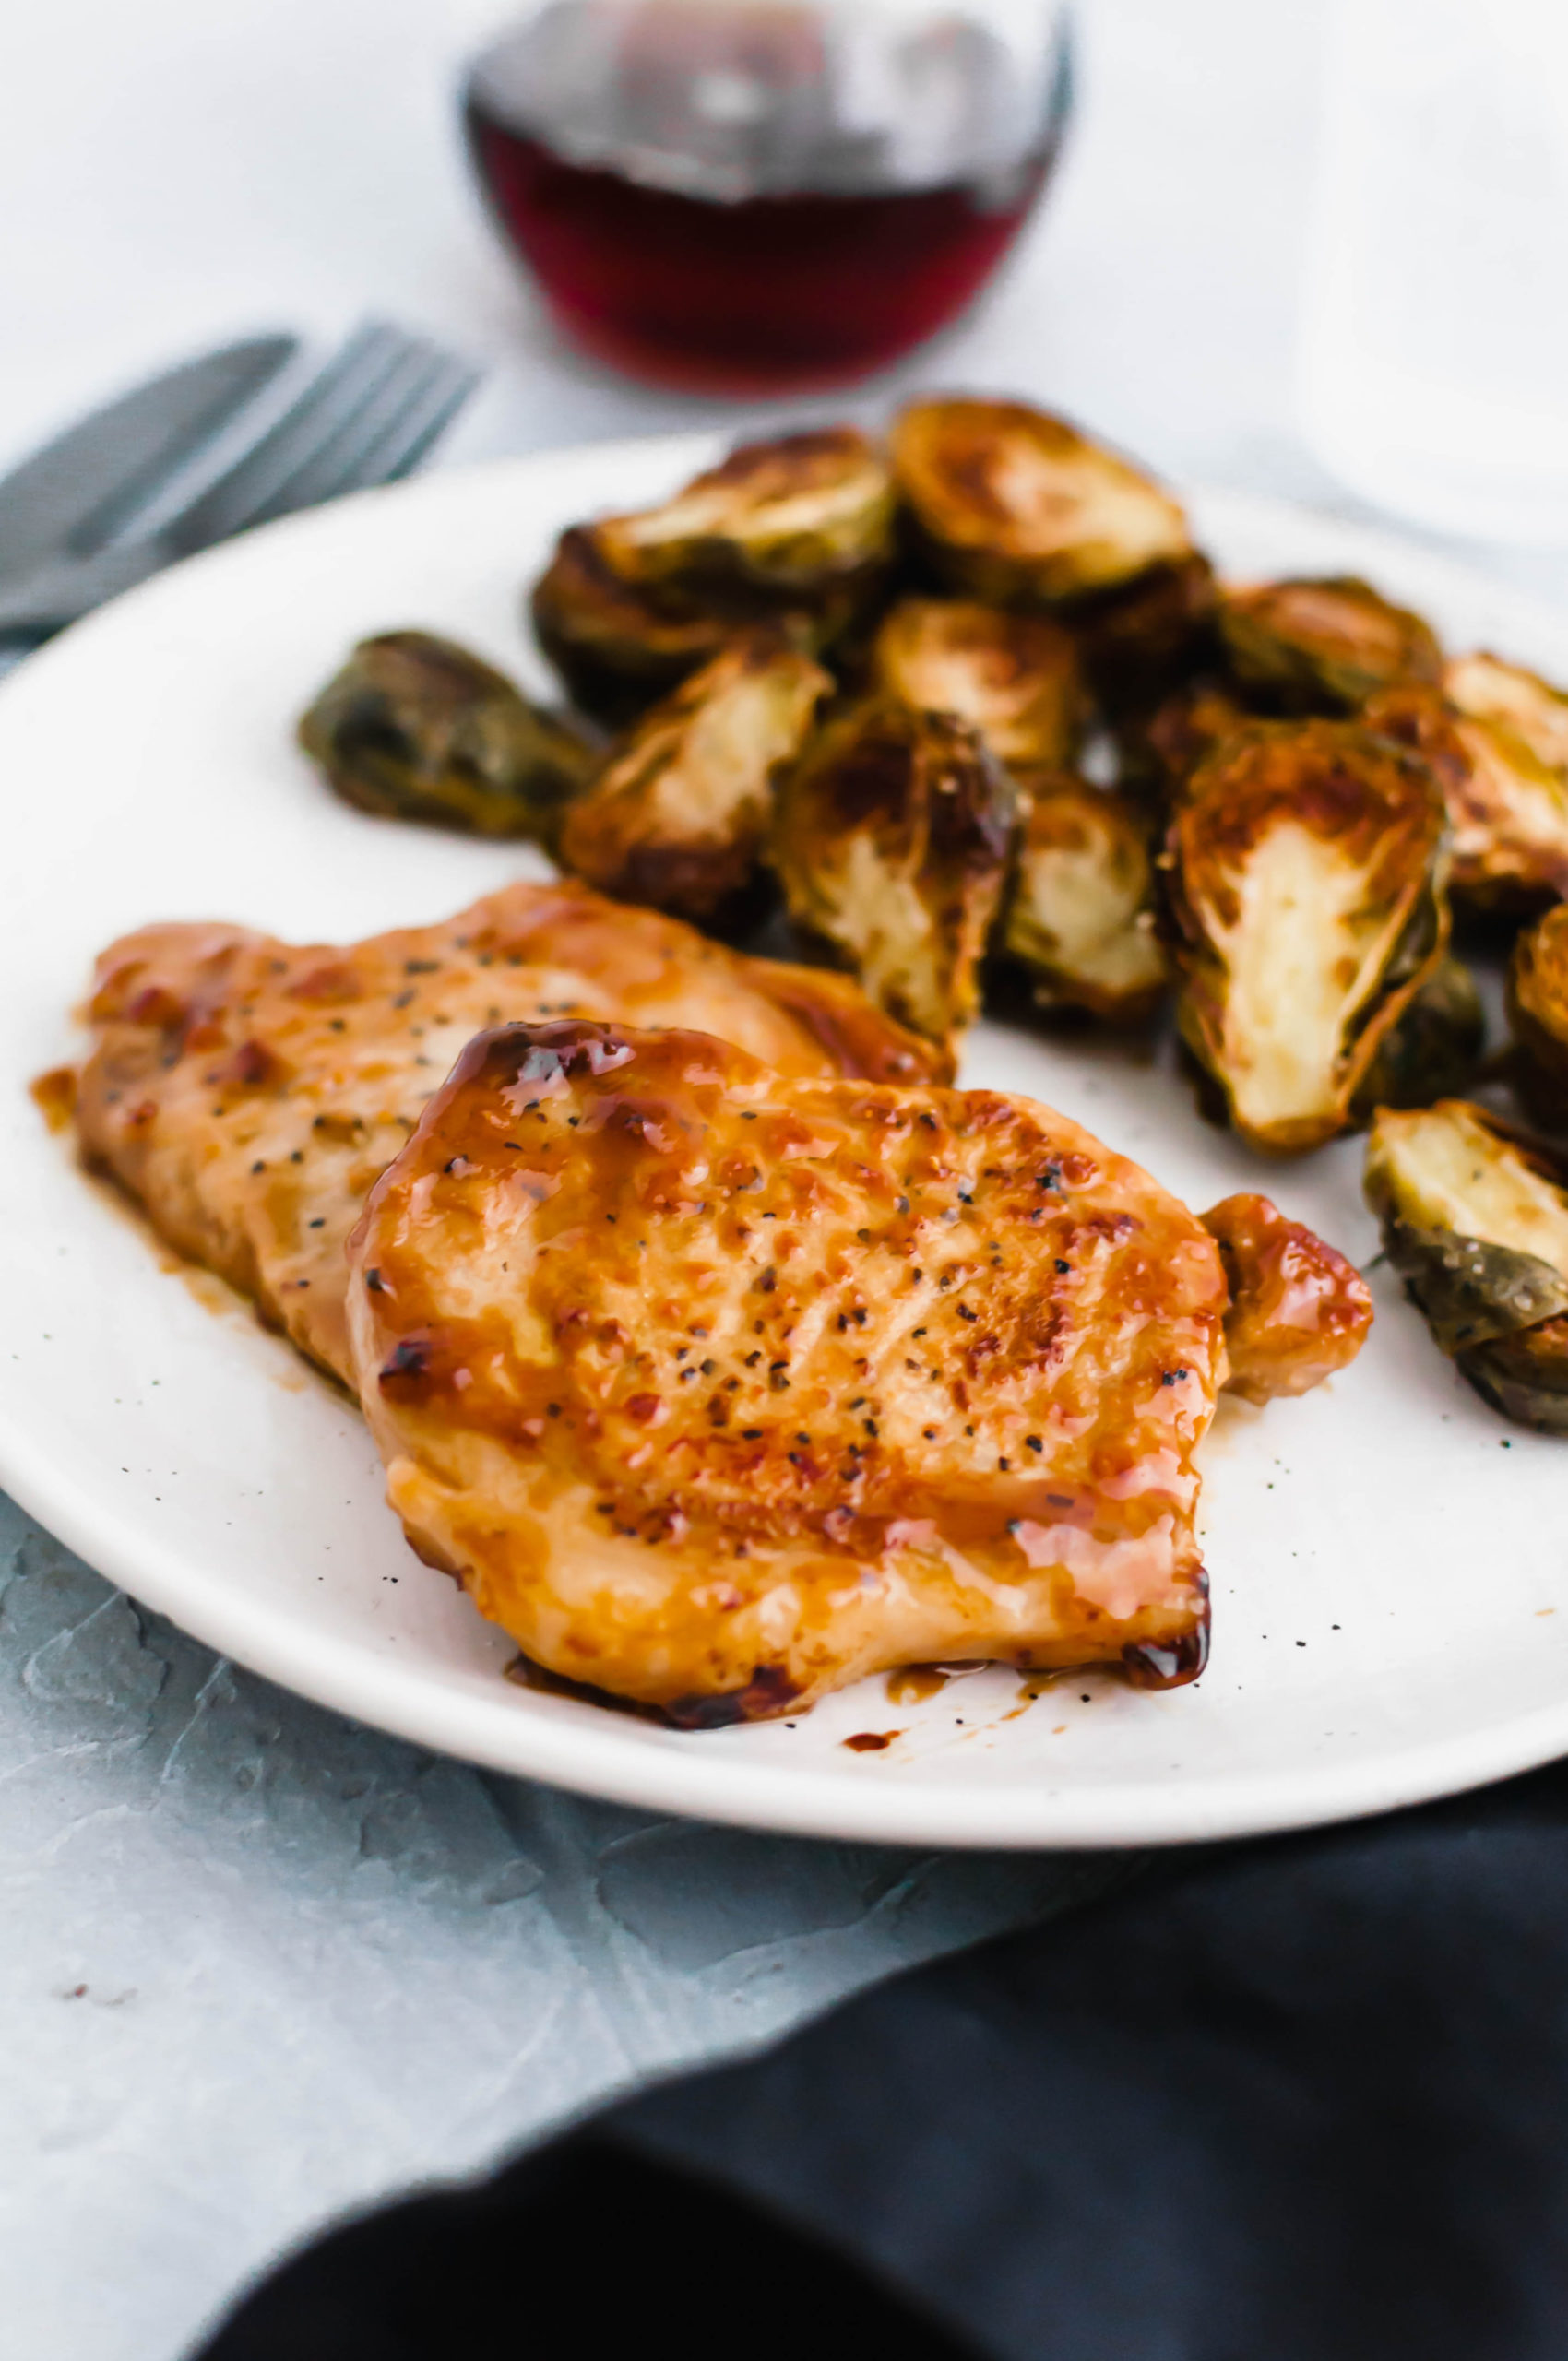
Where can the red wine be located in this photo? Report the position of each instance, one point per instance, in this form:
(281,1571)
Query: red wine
(811,261)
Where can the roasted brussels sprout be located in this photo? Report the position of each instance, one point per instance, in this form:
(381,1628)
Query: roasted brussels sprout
(1140,641)
(1306,871)
(1475,1220)
(1537,1011)
(891,843)
(1160,755)
(683,807)
(1434,1051)
(415,728)
(795,517)
(1529,708)
(1491,740)
(1014,678)
(616,651)
(1323,645)
(1507,811)
(1015,505)
(1079,911)
(1299,1313)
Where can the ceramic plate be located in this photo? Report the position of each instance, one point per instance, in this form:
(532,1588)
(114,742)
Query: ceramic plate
(1389,1565)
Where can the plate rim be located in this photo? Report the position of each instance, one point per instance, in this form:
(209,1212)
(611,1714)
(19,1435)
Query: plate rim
(600,1756)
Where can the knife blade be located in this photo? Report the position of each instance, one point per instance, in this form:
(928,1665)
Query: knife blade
(76,491)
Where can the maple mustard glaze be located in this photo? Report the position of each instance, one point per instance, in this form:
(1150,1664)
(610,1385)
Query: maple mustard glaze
(719,1389)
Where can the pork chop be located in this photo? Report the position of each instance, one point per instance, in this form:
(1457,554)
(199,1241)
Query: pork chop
(249,1091)
(719,1389)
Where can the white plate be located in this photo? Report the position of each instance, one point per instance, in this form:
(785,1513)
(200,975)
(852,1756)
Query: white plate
(1389,1564)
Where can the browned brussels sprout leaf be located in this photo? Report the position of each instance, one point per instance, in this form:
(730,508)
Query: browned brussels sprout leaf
(1014,678)
(1323,645)
(415,728)
(891,843)
(1434,1051)
(1079,912)
(1475,1220)
(1305,868)
(795,517)
(682,808)
(1299,1313)
(1015,505)
(1139,642)
(615,650)
(1537,1011)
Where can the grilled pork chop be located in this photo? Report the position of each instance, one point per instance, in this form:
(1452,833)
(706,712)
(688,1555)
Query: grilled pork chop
(718,1390)
(249,1091)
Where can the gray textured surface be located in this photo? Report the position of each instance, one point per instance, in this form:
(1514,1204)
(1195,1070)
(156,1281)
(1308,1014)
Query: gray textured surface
(260,1964)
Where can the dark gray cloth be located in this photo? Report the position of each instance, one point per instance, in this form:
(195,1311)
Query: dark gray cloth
(1297,2101)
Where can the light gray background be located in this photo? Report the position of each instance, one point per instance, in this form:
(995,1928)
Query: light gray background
(257,1964)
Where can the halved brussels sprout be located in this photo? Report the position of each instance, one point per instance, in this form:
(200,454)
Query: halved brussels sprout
(1486,689)
(1299,1313)
(681,810)
(416,728)
(1014,678)
(1012,504)
(1434,1051)
(615,650)
(1160,756)
(1139,641)
(1323,645)
(1475,1220)
(1492,740)
(891,843)
(1537,1010)
(1079,914)
(795,517)
(1306,869)
(1507,813)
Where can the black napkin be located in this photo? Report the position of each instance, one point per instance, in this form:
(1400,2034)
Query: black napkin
(1304,2100)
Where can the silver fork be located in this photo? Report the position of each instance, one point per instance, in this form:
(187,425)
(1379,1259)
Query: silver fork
(368,416)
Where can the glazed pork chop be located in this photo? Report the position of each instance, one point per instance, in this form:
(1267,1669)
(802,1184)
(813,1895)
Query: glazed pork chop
(249,1091)
(719,1389)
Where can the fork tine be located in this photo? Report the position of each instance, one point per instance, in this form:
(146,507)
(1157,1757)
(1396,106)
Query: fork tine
(352,377)
(400,448)
(420,388)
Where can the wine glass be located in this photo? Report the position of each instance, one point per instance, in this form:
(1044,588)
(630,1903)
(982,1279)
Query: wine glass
(755,195)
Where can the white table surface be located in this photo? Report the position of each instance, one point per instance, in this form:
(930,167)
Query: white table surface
(257,1964)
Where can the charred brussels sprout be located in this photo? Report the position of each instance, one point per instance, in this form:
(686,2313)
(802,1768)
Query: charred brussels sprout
(1160,755)
(415,728)
(1537,1010)
(1507,810)
(1486,689)
(682,808)
(614,649)
(1306,868)
(795,519)
(1434,1049)
(1140,642)
(891,844)
(1014,505)
(1475,1220)
(1323,647)
(1079,913)
(1499,749)
(1014,678)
